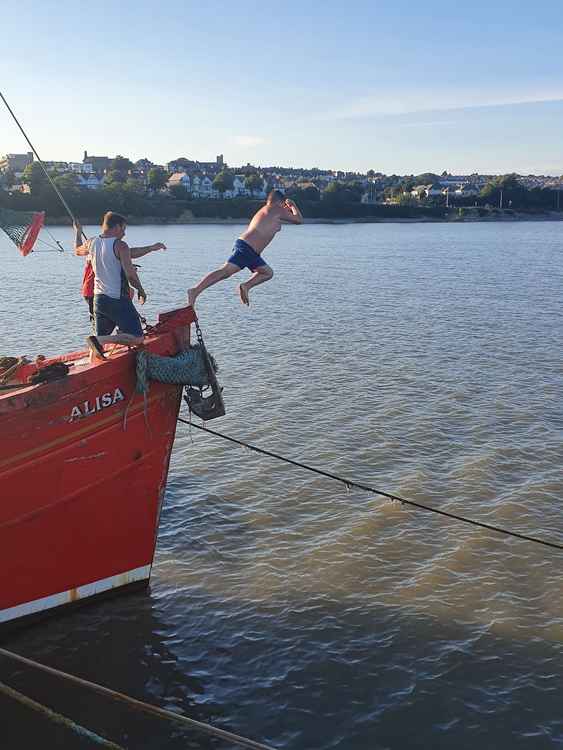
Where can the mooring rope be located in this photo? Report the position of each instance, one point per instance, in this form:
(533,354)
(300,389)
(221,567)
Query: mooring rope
(373,490)
(58,718)
(147,708)
(43,167)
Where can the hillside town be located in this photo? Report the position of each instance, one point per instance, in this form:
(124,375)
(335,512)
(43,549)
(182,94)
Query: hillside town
(216,180)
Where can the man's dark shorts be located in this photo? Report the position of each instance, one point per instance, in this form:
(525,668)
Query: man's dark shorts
(112,313)
(245,256)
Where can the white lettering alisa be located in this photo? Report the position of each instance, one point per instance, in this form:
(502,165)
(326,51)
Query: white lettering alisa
(100,402)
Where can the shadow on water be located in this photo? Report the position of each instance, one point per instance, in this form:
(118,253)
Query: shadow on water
(439,690)
(120,644)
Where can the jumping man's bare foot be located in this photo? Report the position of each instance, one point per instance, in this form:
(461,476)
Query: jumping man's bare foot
(191,297)
(243,294)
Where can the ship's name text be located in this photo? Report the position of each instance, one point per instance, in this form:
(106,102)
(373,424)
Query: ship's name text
(100,402)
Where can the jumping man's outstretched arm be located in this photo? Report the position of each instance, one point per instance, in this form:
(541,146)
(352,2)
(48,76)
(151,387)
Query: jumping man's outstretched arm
(293,215)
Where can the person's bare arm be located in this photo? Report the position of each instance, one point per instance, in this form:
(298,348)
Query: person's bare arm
(79,247)
(124,255)
(293,214)
(138,252)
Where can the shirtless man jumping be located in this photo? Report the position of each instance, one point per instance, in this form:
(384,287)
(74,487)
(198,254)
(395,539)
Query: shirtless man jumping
(247,252)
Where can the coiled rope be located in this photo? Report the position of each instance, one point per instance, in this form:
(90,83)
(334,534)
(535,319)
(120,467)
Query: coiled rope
(374,491)
(147,708)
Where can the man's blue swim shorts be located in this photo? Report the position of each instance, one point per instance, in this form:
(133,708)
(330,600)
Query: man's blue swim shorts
(245,256)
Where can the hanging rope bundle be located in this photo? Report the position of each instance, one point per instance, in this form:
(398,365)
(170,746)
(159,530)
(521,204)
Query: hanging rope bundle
(22,227)
(195,368)
(186,368)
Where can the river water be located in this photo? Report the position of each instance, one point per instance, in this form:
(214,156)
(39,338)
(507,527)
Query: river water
(423,359)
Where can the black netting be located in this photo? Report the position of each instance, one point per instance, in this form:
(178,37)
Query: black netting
(15,224)
(22,227)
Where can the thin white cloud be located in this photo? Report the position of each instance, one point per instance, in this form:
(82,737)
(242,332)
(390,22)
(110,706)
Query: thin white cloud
(413,103)
(249,141)
(427,123)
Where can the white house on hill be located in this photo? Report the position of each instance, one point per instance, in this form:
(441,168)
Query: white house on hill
(202,186)
(90,181)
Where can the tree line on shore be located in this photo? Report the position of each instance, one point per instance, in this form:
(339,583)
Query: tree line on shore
(136,200)
(505,191)
(339,200)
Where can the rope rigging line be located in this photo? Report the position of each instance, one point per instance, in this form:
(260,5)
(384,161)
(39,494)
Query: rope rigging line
(43,167)
(147,708)
(373,490)
(52,248)
(55,240)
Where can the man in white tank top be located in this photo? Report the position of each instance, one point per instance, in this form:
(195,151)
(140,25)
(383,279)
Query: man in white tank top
(114,274)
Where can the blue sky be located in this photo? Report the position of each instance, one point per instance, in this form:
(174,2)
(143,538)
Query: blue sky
(354,85)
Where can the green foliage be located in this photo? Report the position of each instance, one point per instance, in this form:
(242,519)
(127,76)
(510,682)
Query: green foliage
(406,199)
(122,164)
(393,192)
(157,178)
(426,178)
(328,210)
(514,194)
(309,193)
(8,178)
(118,172)
(341,200)
(333,189)
(343,192)
(507,183)
(223,182)
(67,182)
(181,162)
(34,176)
(179,192)
(253,182)
(133,185)
(115,177)
(237,208)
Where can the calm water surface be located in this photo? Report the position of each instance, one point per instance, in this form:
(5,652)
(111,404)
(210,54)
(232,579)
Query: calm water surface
(422,359)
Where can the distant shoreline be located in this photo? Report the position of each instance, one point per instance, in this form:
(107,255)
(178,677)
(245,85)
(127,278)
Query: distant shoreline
(158,221)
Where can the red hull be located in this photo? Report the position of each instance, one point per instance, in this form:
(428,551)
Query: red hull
(81,487)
